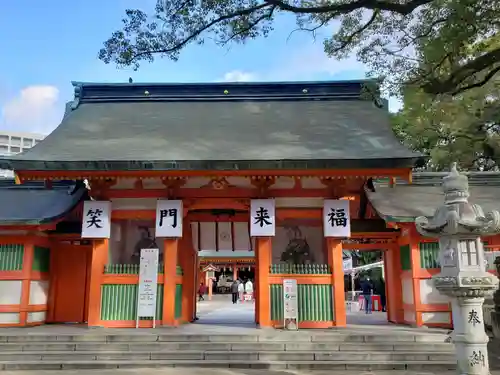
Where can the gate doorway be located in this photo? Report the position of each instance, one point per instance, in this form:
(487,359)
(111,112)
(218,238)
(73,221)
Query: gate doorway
(69,283)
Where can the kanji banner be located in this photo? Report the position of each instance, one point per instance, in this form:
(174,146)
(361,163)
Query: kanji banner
(262,218)
(96,219)
(169,216)
(336,218)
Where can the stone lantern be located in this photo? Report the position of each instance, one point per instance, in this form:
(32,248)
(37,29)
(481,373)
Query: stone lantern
(459,225)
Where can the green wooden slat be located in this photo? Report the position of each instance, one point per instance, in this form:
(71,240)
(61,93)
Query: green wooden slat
(119,302)
(315,303)
(11,257)
(41,259)
(178,301)
(405,257)
(126,269)
(133,269)
(276,292)
(300,269)
(429,255)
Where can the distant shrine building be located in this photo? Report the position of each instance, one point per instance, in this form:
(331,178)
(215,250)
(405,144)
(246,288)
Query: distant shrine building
(265,181)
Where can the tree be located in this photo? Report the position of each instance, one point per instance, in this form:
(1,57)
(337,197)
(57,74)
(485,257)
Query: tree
(463,129)
(395,38)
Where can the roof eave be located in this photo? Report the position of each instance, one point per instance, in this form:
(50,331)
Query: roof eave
(201,165)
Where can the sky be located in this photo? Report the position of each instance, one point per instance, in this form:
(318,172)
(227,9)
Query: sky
(44,45)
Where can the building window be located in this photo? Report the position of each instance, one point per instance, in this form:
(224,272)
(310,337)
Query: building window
(27,142)
(4,139)
(15,141)
(15,149)
(4,149)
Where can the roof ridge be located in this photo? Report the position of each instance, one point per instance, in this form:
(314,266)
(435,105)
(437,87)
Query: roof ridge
(88,92)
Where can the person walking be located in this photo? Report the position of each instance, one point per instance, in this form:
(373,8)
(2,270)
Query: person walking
(201,292)
(234,291)
(241,290)
(249,290)
(367,291)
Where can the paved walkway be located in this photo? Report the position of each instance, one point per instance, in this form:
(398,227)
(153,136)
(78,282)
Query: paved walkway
(222,315)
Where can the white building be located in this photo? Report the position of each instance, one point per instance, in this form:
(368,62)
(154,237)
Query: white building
(13,143)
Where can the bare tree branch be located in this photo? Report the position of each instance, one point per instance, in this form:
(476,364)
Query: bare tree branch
(343,8)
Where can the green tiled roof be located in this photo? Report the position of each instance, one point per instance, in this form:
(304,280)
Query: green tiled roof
(243,126)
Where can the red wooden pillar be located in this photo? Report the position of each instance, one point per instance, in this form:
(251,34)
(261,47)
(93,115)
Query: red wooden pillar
(170,272)
(263,293)
(335,261)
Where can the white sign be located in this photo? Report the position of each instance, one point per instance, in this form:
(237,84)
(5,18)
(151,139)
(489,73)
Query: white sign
(290,304)
(148,278)
(262,218)
(169,216)
(336,218)
(96,219)
(347,264)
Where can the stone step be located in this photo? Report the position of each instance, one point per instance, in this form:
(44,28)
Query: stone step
(232,346)
(357,365)
(267,356)
(277,337)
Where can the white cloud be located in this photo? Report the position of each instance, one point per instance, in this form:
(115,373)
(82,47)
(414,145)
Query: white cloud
(239,76)
(35,109)
(306,63)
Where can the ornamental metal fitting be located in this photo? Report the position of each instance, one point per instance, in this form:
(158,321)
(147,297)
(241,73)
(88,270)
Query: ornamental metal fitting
(457,216)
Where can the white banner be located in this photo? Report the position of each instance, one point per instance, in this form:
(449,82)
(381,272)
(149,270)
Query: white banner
(169,216)
(336,218)
(290,304)
(148,277)
(96,219)
(262,218)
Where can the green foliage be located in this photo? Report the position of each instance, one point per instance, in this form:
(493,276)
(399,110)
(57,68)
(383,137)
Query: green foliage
(441,46)
(464,128)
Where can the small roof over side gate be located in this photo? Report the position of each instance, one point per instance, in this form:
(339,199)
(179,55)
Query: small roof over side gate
(219,126)
(32,204)
(404,202)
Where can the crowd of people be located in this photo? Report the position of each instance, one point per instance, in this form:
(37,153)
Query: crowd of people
(241,290)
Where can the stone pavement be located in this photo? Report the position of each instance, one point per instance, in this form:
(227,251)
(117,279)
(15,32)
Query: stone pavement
(220,316)
(207,371)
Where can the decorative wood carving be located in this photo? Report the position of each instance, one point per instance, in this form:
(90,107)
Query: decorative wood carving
(263,183)
(98,187)
(336,187)
(218,183)
(172,184)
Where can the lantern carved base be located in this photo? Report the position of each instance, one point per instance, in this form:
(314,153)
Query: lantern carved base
(469,336)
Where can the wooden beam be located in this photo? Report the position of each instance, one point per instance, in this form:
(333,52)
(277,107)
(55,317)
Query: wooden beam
(205,192)
(339,173)
(367,246)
